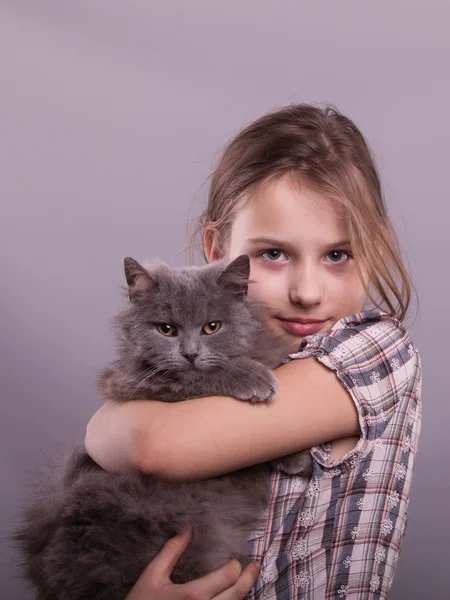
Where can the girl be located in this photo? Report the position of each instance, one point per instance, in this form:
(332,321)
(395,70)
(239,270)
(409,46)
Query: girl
(297,191)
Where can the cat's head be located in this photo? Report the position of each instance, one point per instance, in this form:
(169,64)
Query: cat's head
(182,318)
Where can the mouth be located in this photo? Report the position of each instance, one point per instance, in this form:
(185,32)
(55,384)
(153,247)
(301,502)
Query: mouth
(301,327)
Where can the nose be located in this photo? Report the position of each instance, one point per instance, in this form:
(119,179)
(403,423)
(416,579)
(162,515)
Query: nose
(190,356)
(306,287)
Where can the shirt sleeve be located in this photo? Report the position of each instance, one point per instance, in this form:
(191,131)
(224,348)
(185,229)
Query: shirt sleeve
(375,360)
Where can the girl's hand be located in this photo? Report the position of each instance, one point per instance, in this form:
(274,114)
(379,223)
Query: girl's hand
(226,583)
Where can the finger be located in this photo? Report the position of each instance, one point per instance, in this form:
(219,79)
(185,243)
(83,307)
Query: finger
(243,585)
(219,580)
(161,567)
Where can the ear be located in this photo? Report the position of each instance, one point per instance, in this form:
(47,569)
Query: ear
(235,277)
(139,279)
(211,244)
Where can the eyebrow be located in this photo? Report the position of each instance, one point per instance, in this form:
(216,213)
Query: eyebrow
(280,244)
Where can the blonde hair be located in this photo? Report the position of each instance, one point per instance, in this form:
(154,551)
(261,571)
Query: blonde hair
(321,149)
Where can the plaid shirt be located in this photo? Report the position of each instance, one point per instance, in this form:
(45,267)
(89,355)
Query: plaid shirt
(338,536)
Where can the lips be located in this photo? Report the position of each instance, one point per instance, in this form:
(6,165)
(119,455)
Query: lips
(303,321)
(301,327)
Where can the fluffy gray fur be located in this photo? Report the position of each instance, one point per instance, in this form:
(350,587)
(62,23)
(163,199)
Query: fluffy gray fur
(87,533)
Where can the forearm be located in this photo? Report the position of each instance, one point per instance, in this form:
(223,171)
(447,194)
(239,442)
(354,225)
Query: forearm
(159,438)
(206,437)
(113,436)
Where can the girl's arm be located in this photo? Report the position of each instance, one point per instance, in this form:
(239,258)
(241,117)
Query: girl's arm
(206,437)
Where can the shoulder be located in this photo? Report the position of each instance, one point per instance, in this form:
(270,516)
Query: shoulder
(376,361)
(372,328)
(364,343)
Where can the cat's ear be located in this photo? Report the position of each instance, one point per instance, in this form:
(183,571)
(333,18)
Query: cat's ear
(235,277)
(139,279)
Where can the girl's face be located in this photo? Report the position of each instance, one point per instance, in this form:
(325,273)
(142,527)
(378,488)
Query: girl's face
(300,256)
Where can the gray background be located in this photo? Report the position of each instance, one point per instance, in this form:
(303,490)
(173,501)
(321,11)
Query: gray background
(111,116)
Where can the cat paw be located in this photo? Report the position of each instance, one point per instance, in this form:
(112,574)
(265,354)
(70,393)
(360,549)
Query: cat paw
(261,389)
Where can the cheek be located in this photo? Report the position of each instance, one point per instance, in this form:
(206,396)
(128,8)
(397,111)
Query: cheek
(337,278)
(267,286)
(349,292)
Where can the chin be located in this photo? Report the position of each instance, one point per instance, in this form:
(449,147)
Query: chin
(296,342)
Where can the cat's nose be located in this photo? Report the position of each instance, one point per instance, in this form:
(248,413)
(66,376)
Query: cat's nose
(190,356)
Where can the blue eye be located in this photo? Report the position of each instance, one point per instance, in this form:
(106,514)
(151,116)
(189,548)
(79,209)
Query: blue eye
(337,255)
(273,255)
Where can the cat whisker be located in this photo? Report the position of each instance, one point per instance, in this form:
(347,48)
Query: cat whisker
(163,374)
(218,358)
(147,375)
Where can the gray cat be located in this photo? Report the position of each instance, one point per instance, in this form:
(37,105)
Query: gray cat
(187,332)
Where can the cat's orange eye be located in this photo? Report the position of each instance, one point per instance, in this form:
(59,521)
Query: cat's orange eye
(212,327)
(166,329)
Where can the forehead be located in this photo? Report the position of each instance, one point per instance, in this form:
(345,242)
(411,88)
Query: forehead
(189,296)
(285,211)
